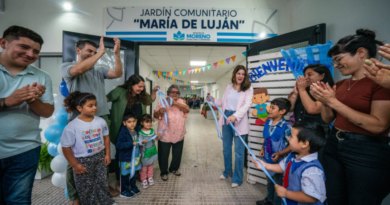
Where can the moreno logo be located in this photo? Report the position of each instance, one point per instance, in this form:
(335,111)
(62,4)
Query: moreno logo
(178,36)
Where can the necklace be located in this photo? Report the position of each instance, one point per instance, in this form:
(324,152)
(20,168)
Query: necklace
(349,84)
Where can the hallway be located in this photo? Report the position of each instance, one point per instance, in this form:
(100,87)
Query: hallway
(202,164)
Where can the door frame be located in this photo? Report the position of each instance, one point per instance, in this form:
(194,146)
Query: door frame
(150,91)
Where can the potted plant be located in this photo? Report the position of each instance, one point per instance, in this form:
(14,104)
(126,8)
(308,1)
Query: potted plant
(45,158)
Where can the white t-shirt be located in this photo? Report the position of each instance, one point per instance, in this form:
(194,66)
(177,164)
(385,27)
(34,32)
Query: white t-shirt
(85,138)
(232,100)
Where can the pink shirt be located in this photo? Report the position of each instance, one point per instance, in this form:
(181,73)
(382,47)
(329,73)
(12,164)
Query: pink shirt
(176,123)
(241,114)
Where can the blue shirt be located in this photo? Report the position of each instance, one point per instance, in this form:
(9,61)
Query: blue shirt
(19,125)
(287,131)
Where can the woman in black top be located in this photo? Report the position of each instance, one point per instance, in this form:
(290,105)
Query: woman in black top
(306,108)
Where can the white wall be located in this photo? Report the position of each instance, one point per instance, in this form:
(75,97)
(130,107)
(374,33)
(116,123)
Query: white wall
(48,18)
(342,18)
(146,71)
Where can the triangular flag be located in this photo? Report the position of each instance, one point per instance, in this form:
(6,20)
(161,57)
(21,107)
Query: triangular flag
(159,72)
(184,72)
(165,77)
(189,71)
(215,64)
(221,62)
(227,60)
(179,72)
(196,69)
(244,53)
(171,73)
(193,70)
(203,68)
(208,66)
(233,58)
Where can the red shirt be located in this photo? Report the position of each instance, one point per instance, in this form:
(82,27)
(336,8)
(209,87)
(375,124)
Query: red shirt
(359,98)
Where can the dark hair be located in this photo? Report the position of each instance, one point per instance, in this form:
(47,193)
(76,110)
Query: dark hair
(81,43)
(75,99)
(128,116)
(282,103)
(134,80)
(314,133)
(321,69)
(146,118)
(260,91)
(15,32)
(246,83)
(363,38)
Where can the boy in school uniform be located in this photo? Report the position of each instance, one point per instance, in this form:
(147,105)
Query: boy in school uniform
(304,178)
(276,133)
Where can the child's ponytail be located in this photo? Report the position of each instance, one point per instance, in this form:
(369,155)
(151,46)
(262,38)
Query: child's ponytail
(75,99)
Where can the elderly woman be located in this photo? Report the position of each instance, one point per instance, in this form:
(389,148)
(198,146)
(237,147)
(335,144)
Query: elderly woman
(174,133)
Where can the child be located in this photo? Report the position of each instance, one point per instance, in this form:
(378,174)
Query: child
(126,142)
(260,96)
(82,145)
(149,151)
(304,179)
(276,133)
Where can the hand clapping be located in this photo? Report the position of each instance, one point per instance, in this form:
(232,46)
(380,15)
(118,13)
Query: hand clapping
(379,72)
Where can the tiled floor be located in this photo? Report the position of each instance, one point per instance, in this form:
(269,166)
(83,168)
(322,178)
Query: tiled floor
(202,164)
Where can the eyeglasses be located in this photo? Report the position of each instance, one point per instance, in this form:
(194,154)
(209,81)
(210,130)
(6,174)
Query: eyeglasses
(175,92)
(336,61)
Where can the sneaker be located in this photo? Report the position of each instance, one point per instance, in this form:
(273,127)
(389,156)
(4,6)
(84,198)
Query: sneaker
(264,202)
(75,202)
(145,184)
(151,182)
(176,173)
(135,190)
(112,191)
(127,194)
(222,177)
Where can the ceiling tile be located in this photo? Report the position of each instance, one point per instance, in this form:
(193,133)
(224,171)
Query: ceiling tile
(158,52)
(162,58)
(181,58)
(200,52)
(144,52)
(221,53)
(198,58)
(179,51)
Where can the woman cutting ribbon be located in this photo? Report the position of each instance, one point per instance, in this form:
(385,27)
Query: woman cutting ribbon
(235,104)
(173,136)
(357,152)
(130,97)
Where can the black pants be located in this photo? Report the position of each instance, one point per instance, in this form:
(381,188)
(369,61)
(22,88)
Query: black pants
(356,172)
(163,155)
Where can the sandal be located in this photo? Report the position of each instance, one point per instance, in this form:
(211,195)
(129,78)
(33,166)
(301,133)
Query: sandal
(176,173)
(164,177)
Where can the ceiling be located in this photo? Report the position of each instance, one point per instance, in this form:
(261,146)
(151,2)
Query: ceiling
(177,58)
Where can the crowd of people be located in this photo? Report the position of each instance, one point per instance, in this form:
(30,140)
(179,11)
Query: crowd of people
(310,162)
(194,102)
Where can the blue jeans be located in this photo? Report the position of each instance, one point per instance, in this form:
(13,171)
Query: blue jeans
(271,193)
(228,136)
(17,175)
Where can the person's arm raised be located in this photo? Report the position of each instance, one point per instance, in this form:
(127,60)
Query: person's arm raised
(86,65)
(312,107)
(183,107)
(376,122)
(118,72)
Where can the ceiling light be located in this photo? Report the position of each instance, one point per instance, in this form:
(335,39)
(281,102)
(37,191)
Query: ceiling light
(194,81)
(262,35)
(197,63)
(67,6)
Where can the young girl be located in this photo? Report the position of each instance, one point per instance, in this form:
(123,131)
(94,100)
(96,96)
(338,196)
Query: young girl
(149,151)
(83,147)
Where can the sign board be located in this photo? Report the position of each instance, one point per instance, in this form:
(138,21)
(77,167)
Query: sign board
(190,24)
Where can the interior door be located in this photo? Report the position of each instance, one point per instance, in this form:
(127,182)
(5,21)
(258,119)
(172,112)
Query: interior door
(128,54)
(278,84)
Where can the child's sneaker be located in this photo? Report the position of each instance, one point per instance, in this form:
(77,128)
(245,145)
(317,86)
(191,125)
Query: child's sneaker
(127,194)
(151,182)
(145,184)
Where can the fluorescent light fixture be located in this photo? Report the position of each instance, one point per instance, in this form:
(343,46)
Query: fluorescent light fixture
(194,81)
(262,35)
(197,63)
(67,6)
